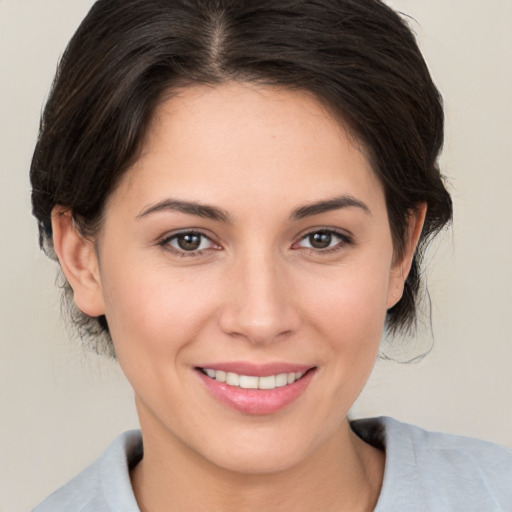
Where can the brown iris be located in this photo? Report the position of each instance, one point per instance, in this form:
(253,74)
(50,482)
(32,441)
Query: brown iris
(320,239)
(189,241)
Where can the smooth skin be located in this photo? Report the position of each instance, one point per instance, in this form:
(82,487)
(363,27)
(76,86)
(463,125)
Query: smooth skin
(252,228)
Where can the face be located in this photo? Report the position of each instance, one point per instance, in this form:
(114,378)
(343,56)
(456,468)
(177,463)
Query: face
(250,242)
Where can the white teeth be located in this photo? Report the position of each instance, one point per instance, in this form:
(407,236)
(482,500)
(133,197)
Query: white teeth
(267,382)
(282,380)
(251,381)
(247,382)
(233,379)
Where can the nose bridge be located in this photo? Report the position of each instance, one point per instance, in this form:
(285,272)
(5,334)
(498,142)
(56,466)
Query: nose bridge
(260,307)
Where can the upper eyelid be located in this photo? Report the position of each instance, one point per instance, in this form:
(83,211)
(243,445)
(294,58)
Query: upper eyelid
(337,231)
(166,239)
(195,231)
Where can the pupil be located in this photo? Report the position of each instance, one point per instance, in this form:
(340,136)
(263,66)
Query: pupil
(189,242)
(320,240)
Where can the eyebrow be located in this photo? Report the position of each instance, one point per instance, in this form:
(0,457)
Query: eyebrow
(336,203)
(220,215)
(190,207)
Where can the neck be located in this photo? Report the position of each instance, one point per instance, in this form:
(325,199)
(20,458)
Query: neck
(342,475)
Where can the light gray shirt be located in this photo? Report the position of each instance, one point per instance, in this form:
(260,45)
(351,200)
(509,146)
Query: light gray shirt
(424,472)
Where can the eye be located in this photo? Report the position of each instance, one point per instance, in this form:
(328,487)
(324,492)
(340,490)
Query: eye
(188,242)
(323,240)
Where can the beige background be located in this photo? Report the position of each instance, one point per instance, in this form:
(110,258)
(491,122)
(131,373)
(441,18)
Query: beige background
(59,408)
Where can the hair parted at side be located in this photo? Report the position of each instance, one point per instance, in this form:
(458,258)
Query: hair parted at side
(358,57)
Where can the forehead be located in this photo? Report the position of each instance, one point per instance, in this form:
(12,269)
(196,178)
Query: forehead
(239,140)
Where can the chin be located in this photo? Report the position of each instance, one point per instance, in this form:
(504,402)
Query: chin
(263,452)
(258,461)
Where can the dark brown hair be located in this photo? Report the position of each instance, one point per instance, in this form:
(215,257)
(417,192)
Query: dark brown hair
(358,57)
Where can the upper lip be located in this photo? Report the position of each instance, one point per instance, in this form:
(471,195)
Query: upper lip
(257,370)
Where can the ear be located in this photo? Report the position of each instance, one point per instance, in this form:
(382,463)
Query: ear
(79,262)
(402,266)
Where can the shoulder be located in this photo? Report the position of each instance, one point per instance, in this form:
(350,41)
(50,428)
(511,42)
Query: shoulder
(432,471)
(104,485)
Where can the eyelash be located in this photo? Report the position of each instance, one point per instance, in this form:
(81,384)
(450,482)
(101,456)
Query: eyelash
(166,244)
(343,238)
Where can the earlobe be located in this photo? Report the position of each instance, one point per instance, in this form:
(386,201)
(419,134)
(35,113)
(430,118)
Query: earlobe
(78,260)
(401,268)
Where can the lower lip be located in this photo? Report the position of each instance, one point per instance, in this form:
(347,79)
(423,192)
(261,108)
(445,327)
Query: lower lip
(257,401)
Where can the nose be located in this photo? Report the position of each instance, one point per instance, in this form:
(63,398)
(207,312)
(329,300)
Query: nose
(259,304)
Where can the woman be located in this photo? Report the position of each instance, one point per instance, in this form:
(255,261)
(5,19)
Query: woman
(239,194)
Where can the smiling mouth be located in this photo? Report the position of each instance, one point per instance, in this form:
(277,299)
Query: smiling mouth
(253,382)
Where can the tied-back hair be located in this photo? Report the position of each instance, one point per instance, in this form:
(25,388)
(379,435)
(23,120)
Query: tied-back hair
(359,58)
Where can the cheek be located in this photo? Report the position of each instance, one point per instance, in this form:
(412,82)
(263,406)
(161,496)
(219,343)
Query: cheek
(153,309)
(155,318)
(347,314)
(350,303)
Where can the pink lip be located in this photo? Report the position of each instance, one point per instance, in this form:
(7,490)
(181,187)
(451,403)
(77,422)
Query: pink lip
(257,401)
